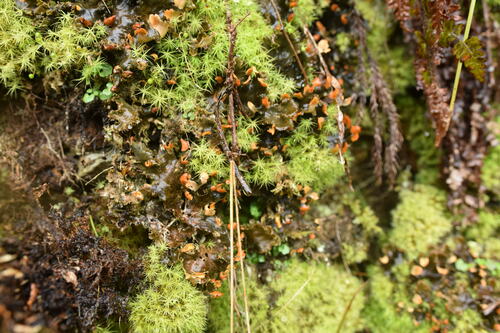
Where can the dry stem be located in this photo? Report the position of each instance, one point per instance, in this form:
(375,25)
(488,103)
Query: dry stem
(295,54)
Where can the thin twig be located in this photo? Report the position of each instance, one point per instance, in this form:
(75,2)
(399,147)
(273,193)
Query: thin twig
(326,71)
(348,307)
(231,244)
(230,81)
(105,5)
(297,293)
(91,220)
(285,33)
(232,92)
(96,176)
(241,256)
(225,148)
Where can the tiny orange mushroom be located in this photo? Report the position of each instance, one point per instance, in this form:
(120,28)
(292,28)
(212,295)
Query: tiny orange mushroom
(216,294)
(343,19)
(109,21)
(184,145)
(265,102)
(184,178)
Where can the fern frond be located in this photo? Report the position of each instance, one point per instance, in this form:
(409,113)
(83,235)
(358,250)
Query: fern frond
(471,53)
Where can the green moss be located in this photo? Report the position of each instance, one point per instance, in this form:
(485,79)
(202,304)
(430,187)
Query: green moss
(311,162)
(419,136)
(380,312)
(68,45)
(343,41)
(170,303)
(19,48)
(193,54)
(308,11)
(485,233)
(207,159)
(305,304)
(468,321)
(247,133)
(27,48)
(356,250)
(420,220)
(297,301)
(487,226)
(491,169)
(266,171)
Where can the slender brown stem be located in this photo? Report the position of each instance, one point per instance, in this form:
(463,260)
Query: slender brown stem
(348,307)
(241,258)
(290,43)
(326,71)
(231,244)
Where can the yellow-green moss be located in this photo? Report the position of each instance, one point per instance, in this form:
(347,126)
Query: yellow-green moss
(307,11)
(485,233)
(208,159)
(170,304)
(311,161)
(312,297)
(266,170)
(305,297)
(491,169)
(29,49)
(419,220)
(380,312)
(195,51)
(468,321)
(18,45)
(356,250)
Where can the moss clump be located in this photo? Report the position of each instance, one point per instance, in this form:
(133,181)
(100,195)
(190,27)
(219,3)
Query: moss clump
(298,300)
(420,220)
(170,303)
(468,321)
(380,311)
(69,45)
(18,45)
(491,168)
(209,160)
(485,232)
(247,133)
(356,227)
(311,162)
(307,11)
(27,48)
(195,51)
(266,171)
(313,297)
